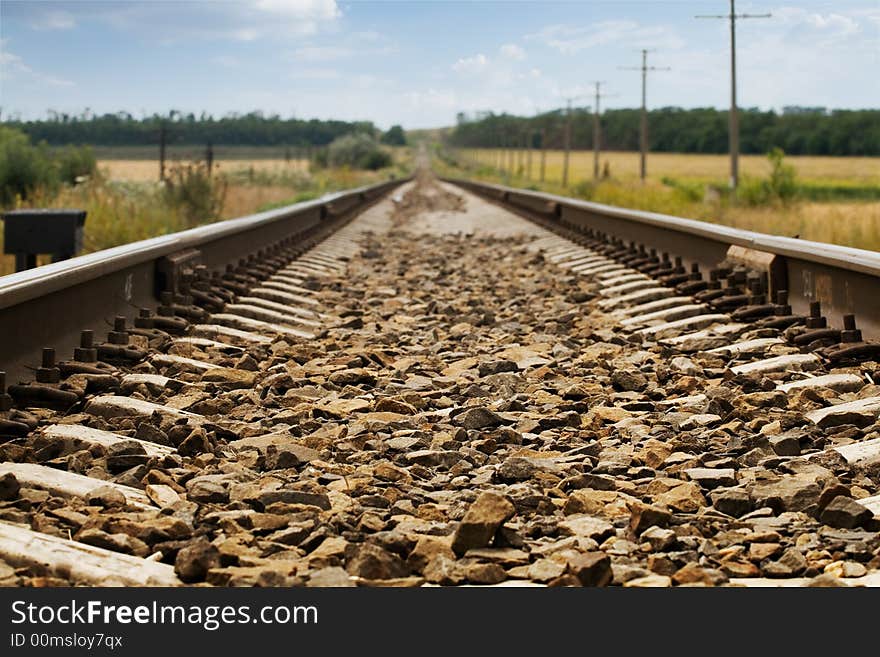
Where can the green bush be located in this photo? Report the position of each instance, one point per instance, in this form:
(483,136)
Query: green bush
(689,191)
(780,186)
(357,151)
(395,136)
(189,188)
(753,191)
(782,182)
(76,161)
(584,189)
(24,168)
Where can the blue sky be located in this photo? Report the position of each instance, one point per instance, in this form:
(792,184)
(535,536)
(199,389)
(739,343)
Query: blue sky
(419,63)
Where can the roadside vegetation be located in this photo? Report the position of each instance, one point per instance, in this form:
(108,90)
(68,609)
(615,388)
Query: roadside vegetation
(826,199)
(120,211)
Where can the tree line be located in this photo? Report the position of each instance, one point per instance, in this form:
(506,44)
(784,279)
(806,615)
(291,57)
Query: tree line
(796,130)
(251,129)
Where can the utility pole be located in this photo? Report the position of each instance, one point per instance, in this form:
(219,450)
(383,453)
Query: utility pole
(163,135)
(543,153)
(519,154)
(597,128)
(209,157)
(530,136)
(643,128)
(568,102)
(734,117)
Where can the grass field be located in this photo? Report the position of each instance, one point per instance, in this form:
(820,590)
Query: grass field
(126,203)
(142,170)
(839,197)
(687,166)
(189,153)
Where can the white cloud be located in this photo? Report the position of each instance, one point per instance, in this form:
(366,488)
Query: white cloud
(13,68)
(475,64)
(245,34)
(513,51)
(571,39)
(312,9)
(54,20)
(235,21)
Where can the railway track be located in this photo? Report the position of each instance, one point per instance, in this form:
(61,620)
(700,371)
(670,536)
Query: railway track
(435,390)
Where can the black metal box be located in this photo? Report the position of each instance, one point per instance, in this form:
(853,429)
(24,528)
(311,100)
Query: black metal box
(55,231)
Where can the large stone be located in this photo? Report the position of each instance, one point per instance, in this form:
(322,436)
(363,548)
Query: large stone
(588,500)
(483,518)
(118,542)
(658,538)
(712,477)
(591,568)
(587,526)
(845,513)
(230,378)
(516,469)
(790,564)
(426,549)
(331,576)
(373,562)
(649,581)
(686,498)
(732,501)
(478,418)
(644,516)
(484,573)
(444,571)
(195,560)
(281,441)
(629,381)
(9,487)
(787,493)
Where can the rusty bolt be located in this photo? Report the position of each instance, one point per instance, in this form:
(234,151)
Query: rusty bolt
(86,352)
(119,335)
(850,333)
(48,373)
(815,320)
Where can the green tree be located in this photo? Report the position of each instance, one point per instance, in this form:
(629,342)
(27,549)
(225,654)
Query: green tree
(358,151)
(23,166)
(395,136)
(74,162)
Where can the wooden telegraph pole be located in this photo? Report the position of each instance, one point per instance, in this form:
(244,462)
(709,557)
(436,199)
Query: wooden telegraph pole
(643,128)
(597,128)
(734,112)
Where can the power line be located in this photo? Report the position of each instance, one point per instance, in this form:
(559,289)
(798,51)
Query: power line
(734,116)
(643,132)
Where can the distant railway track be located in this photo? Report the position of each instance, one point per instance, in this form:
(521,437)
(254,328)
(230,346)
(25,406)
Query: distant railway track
(844,280)
(607,397)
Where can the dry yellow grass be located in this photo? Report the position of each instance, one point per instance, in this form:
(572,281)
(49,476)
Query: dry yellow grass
(847,222)
(241,200)
(625,165)
(147,170)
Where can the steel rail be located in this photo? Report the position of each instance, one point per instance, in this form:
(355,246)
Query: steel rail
(845,280)
(50,305)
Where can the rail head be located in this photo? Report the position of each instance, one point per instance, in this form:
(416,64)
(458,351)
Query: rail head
(33,283)
(832,255)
